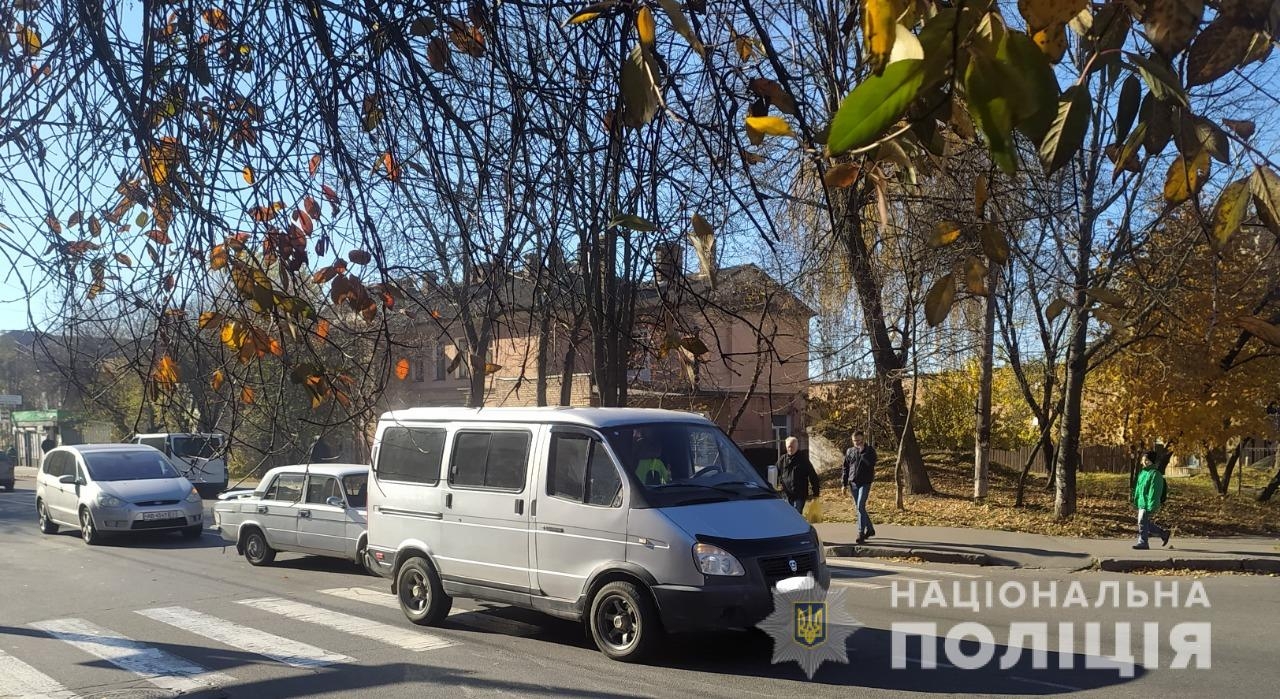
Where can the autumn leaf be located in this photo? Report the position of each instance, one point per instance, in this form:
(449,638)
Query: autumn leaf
(842,175)
(246,395)
(680,23)
(1265,186)
(491,368)
(208,318)
(438,54)
(322,329)
(980,195)
(216,19)
(247,173)
(388,163)
(879,29)
(402,369)
(769,125)
(1052,41)
(645,26)
(937,303)
(124,259)
(165,371)
(313,165)
(359,257)
(1244,129)
(216,382)
(772,91)
(944,233)
(1106,296)
(1229,212)
(1055,309)
(29,39)
(52,222)
(975,276)
(1170,24)
(159,236)
(994,245)
(330,193)
(632,221)
(1185,179)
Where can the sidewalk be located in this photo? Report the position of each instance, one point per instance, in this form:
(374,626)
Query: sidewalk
(1018,550)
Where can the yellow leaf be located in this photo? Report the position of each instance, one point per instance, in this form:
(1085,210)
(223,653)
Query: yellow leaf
(1055,309)
(1185,179)
(247,172)
(994,245)
(769,125)
(217,380)
(229,336)
(743,46)
(979,195)
(645,26)
(975,276)
(218,257)
(1052,41)
(1229,212)
(30,40)
(937,303)
(491,368)
(754,134)
(165,372)
(582,17)
(944,233)
(207,318)
(1042,13)
(879,29)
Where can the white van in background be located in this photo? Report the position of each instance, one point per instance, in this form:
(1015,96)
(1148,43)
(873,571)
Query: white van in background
(200,458)
(635,522)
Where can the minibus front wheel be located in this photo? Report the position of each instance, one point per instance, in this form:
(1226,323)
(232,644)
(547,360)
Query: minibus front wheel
(422,597)
(624,622)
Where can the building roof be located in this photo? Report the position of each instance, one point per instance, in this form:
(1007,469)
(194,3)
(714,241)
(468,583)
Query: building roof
(586,417)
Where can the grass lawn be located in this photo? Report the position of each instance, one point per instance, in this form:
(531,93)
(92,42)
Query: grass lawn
(1103,508)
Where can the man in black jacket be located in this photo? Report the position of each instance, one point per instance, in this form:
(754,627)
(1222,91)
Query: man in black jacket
(796,474)
(856,474)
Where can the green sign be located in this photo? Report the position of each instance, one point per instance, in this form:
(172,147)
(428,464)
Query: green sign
(35,416)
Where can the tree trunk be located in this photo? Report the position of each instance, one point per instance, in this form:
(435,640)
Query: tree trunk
(982,425)
(1211,458)
(542,360)
(889,364)
(1271,488)
(1231,466)
(1026,470)
(1068,458)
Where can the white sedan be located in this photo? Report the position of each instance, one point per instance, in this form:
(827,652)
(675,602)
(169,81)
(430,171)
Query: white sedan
(312,509)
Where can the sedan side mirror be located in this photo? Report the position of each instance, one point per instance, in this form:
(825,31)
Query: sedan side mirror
(335,501)
(69,480)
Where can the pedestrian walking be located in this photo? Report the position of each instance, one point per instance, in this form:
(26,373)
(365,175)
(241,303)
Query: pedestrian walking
(796,474)
(1148,495)
(857,473)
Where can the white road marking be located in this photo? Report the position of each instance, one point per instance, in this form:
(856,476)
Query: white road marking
(845,582)
(18,679)
(245,638)
(365,594)
(869,565)
(1042,683)
(406,638)
(162,669)
(474,618)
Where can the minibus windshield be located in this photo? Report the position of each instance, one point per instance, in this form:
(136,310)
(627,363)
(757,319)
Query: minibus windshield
(683,463)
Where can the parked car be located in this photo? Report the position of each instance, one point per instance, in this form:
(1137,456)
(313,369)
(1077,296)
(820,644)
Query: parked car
(201,458)
(6,471)
(314,509)
(114,488)
(633,521)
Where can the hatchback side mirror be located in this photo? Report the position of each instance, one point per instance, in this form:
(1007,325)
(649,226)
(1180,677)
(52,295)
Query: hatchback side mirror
(335,501)
(69,480)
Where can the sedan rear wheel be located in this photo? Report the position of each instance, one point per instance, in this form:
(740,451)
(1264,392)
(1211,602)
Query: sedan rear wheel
(256,549)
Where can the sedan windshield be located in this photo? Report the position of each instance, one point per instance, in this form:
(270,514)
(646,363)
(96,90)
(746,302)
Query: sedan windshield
(143,464)
(685,464)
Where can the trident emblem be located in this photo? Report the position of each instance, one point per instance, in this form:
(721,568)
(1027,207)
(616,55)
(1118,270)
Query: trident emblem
(811,623)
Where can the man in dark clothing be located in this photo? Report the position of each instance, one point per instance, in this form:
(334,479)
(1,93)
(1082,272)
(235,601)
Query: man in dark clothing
(856,474)
(796,474)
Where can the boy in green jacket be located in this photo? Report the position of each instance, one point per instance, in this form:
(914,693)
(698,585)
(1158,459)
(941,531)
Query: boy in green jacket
(1147,496)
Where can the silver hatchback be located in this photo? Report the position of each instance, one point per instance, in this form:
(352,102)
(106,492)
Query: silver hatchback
(115,488)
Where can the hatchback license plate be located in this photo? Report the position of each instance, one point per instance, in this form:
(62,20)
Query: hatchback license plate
(159,515)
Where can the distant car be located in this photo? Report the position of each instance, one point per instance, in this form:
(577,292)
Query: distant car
(200,457)
(316,509)
(6,471)
(115,488)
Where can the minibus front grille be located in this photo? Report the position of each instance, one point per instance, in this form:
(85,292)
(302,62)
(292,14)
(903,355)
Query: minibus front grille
(777,568)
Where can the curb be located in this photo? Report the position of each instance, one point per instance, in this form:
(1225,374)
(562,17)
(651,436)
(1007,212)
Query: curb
(929,555)
(1208,565)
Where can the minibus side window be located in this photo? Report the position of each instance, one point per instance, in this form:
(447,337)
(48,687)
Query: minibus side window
(582,471)
(497,460)
(411,455)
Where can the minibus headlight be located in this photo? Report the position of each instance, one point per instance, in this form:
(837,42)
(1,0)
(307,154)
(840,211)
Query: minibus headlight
(105,500)
(194,496)
(713,560)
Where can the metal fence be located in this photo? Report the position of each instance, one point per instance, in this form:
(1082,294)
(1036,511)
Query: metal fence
(1096,459)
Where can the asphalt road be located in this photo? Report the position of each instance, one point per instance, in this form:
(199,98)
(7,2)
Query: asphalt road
(160,615)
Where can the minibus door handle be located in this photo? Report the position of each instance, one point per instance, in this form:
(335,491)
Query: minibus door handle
(448,499)
(262,509)
(519,507)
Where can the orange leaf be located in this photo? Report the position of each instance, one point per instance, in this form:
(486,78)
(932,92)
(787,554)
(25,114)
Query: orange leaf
(216,19)
(322,329)
(216,383)
(53,223)
(159,236)
(311,207)
(314,164)
(264,213)
(324,274)
(247,172)
(218,257)
(402,369)
(388,163)
(165,371)
(124,259)
(75,219)
(208,318)
(246,395)
(304,221)
(273,346)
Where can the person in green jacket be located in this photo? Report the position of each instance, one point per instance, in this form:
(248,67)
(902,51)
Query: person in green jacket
(1148,494)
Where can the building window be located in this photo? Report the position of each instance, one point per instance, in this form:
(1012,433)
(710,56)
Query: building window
(781,430)
(442,363)
(419,369)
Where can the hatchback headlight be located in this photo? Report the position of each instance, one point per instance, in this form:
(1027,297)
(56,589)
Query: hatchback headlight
(107,500)
(713,560)
(194,496)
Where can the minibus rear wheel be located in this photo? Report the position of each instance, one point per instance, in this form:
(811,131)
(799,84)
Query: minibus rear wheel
(624,622)
(422,597)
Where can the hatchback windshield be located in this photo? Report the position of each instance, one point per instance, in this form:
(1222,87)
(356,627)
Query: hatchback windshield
(202,447)
(143,464)
(684,464)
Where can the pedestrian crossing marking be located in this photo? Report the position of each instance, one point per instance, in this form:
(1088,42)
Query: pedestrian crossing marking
(406,638)
(245,638)
(476,619)
(164,670)
(20,680)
